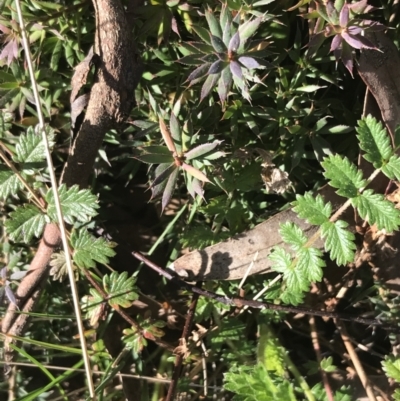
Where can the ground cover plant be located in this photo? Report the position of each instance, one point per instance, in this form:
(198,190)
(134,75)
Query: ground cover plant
(250,146)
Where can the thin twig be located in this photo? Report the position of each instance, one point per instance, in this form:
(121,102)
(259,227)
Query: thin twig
(183,341)
(60,216)
(238,301)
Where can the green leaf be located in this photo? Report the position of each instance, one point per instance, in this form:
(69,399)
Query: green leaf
(94,306)
(30,147)
(25,223)
(204,150)
(313,209)
(213,24)
(374,140)
(218,44)
(343,175)
(392,168)
(76,204)
(376,210)
(309,261)
(281,259)
(339,242)
(391,366)
(121,290)
(293,235)
(88,250)
(9,184)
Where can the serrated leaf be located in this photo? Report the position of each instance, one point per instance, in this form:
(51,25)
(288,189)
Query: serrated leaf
(88,249)
(208,85)
(376,210)
(309,261)
(249,28)
(76,204)
(121,290)
(94,306)
(9,184)
(224,84)
(201,150)
(374,140)
(339,242)
(391,366)
(30,147)
(25,223)
(281,259)
(313,209)
(343,175)
(293,235)
(202,33)
(217,67)
(392,168)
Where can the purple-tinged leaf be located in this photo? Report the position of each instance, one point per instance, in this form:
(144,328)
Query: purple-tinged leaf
(175,128)
(354,30)
(360,7)
(347,57)
(315,43)
(218,44)
(332,13)
(208,85)
(174,26)
(373,26)
(336,43)
(210,58)
(3,273)
(322,11)
(10,51)
(213,24)
(167,170)
(169,189)
(358,42)
(199,72)
(217,67)
(344,16)
(249,28)
(224,84)
(249,62)
(201,150)
(19,275)
(234,43)
(195,172)
(236,69)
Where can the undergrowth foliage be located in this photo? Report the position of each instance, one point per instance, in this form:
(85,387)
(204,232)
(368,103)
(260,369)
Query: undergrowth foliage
(224,83)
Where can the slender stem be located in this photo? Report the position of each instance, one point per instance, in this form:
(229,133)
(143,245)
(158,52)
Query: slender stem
(60,217)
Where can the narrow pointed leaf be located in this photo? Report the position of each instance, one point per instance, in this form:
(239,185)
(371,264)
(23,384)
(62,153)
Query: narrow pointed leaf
(217,67)
(167,136)
(163,175)
(195,172)
(218,44)
(213,24)
(201,150)
(169,189)
(236,69)
(175,128)
(208,85)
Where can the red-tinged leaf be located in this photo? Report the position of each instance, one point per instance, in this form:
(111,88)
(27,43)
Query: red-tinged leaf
(166,172)
(154,158)
(249,28)
(249,62)
(217,67)
(236,69)
(234,43)
(208,85)
(201,150)
(218,44)
(195,172)
(358,42)
(169,189)
(354,30)
(344,16)
(10,51)
(199,72)
(213,24)
(174,26)
(167,136)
